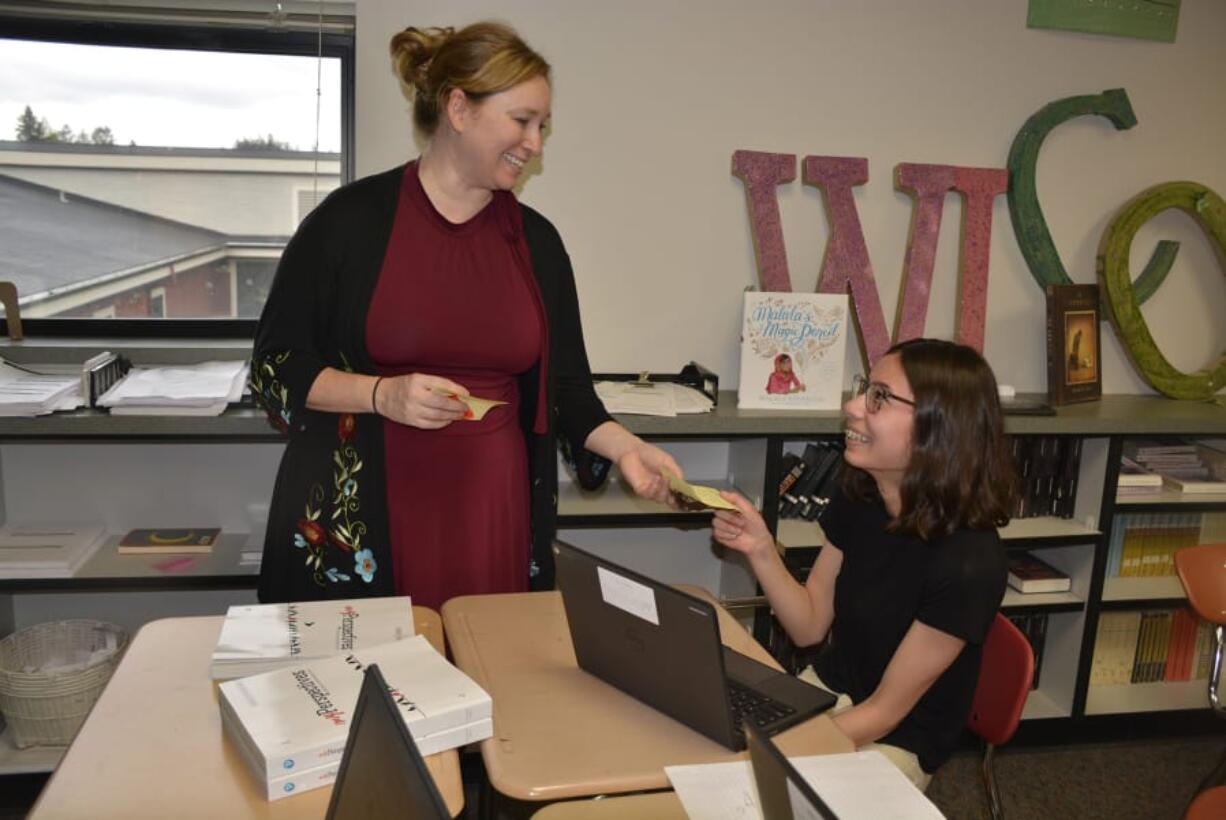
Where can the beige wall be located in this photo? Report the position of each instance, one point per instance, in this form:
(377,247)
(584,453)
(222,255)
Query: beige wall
(652,97)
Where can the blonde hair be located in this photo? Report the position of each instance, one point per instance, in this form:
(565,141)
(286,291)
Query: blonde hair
(480,60)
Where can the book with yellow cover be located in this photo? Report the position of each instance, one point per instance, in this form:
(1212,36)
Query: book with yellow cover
(176,540)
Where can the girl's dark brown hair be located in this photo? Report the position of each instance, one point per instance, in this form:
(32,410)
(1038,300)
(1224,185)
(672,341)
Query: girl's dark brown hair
(960,474)
(480,60)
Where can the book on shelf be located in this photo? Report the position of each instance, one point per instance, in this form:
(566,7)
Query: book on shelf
(1047,469)
(1134,476)
(193,540)
(807,496)
(1150,646)
(1030,574)
(1034,626)
(1074,371)
(36,550)
(263,637)
(792,351)
(297,718)
(1195,486)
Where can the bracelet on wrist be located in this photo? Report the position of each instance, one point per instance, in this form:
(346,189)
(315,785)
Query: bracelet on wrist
(374,393)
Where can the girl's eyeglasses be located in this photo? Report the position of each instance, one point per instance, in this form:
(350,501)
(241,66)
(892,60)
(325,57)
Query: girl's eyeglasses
(875,394)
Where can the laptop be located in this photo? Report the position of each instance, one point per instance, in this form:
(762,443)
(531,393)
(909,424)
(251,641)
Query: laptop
(783,793)
(382,773)
(662,646)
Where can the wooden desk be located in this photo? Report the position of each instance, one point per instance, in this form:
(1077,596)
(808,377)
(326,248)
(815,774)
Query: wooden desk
(560,732)
(153,745)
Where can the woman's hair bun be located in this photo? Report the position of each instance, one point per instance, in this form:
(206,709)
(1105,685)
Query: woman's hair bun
(412,51)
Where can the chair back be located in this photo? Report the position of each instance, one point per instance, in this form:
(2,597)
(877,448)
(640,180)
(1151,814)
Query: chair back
(1202,571)
(1005,674)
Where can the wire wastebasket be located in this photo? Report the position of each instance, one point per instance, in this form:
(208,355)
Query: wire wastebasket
(51,674)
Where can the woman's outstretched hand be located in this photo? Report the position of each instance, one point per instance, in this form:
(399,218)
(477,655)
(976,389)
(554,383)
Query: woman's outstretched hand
(642,468)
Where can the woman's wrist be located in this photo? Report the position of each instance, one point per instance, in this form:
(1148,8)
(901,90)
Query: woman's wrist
(374,395)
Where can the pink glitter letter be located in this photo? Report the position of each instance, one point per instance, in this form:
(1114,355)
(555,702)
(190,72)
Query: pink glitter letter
(762,173)
(846,266)
(979,187)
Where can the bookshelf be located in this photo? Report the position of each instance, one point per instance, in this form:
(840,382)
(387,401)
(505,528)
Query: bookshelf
(115,470)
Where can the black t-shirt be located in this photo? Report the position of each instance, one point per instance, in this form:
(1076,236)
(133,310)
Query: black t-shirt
(888,581)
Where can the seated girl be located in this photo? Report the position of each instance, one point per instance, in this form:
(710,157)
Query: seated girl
(913,571)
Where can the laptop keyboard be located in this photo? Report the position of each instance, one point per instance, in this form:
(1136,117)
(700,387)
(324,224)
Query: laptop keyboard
(753,706)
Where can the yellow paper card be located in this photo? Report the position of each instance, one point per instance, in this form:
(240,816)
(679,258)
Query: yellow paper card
(706,496)
(477,407)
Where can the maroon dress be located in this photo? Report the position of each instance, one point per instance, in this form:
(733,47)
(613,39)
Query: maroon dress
(452,301)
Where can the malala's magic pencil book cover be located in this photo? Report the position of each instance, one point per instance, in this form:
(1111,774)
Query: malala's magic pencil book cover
(792,350)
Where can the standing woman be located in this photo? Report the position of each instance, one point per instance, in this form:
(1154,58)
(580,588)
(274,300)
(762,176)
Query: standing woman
(913,571)
(402,294)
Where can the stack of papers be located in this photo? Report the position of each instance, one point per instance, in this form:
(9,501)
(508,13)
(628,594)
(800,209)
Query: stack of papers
(182,390)
(290,726)
(28,394)
(856,786)
(263,637)
(652,399)
(46,550)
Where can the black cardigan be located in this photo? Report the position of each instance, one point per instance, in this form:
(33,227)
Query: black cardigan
(327,525)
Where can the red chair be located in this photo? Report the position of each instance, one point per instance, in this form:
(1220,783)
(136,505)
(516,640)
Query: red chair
(1005,674)
(1202,571)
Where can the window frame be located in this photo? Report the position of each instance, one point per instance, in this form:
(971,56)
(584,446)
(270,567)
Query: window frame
(297,42)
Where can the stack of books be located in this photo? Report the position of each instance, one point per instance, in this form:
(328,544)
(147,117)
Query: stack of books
(290,725)
(264,637)
(46,550)
(1187,467)
(1151,646)
(1144,544)
(1135,479)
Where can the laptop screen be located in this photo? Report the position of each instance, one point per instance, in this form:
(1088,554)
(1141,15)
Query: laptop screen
(382,773)
(783,792)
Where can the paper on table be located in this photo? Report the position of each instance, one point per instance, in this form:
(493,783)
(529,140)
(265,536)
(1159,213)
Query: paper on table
(477,406)
(706,496)
(856,786)
(657,399)
(716,791)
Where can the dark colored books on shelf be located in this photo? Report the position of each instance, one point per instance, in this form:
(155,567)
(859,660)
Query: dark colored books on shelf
(1047,469)
(1034,626)
(807,480)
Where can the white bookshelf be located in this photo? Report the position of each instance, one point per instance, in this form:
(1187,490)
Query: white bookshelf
(1168,496)
(1046,526)
(1013,598)
(1040,704)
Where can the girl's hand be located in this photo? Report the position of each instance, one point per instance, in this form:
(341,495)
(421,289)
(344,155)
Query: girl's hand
(416,400)
(743,530)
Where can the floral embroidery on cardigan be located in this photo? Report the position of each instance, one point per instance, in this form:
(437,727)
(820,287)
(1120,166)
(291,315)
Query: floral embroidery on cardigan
(342,529)
(270,391)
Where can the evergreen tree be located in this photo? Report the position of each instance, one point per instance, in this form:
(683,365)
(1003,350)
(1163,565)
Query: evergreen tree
(102,136)
(30,128)
(269,143)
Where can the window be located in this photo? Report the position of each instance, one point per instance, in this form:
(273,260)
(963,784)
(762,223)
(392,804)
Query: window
(151,174)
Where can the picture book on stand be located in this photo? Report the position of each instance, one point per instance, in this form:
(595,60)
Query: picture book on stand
(262,637)
(297,718)
(1074,369)
(792,351)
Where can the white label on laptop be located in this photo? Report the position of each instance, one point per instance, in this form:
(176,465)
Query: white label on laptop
(629,596)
